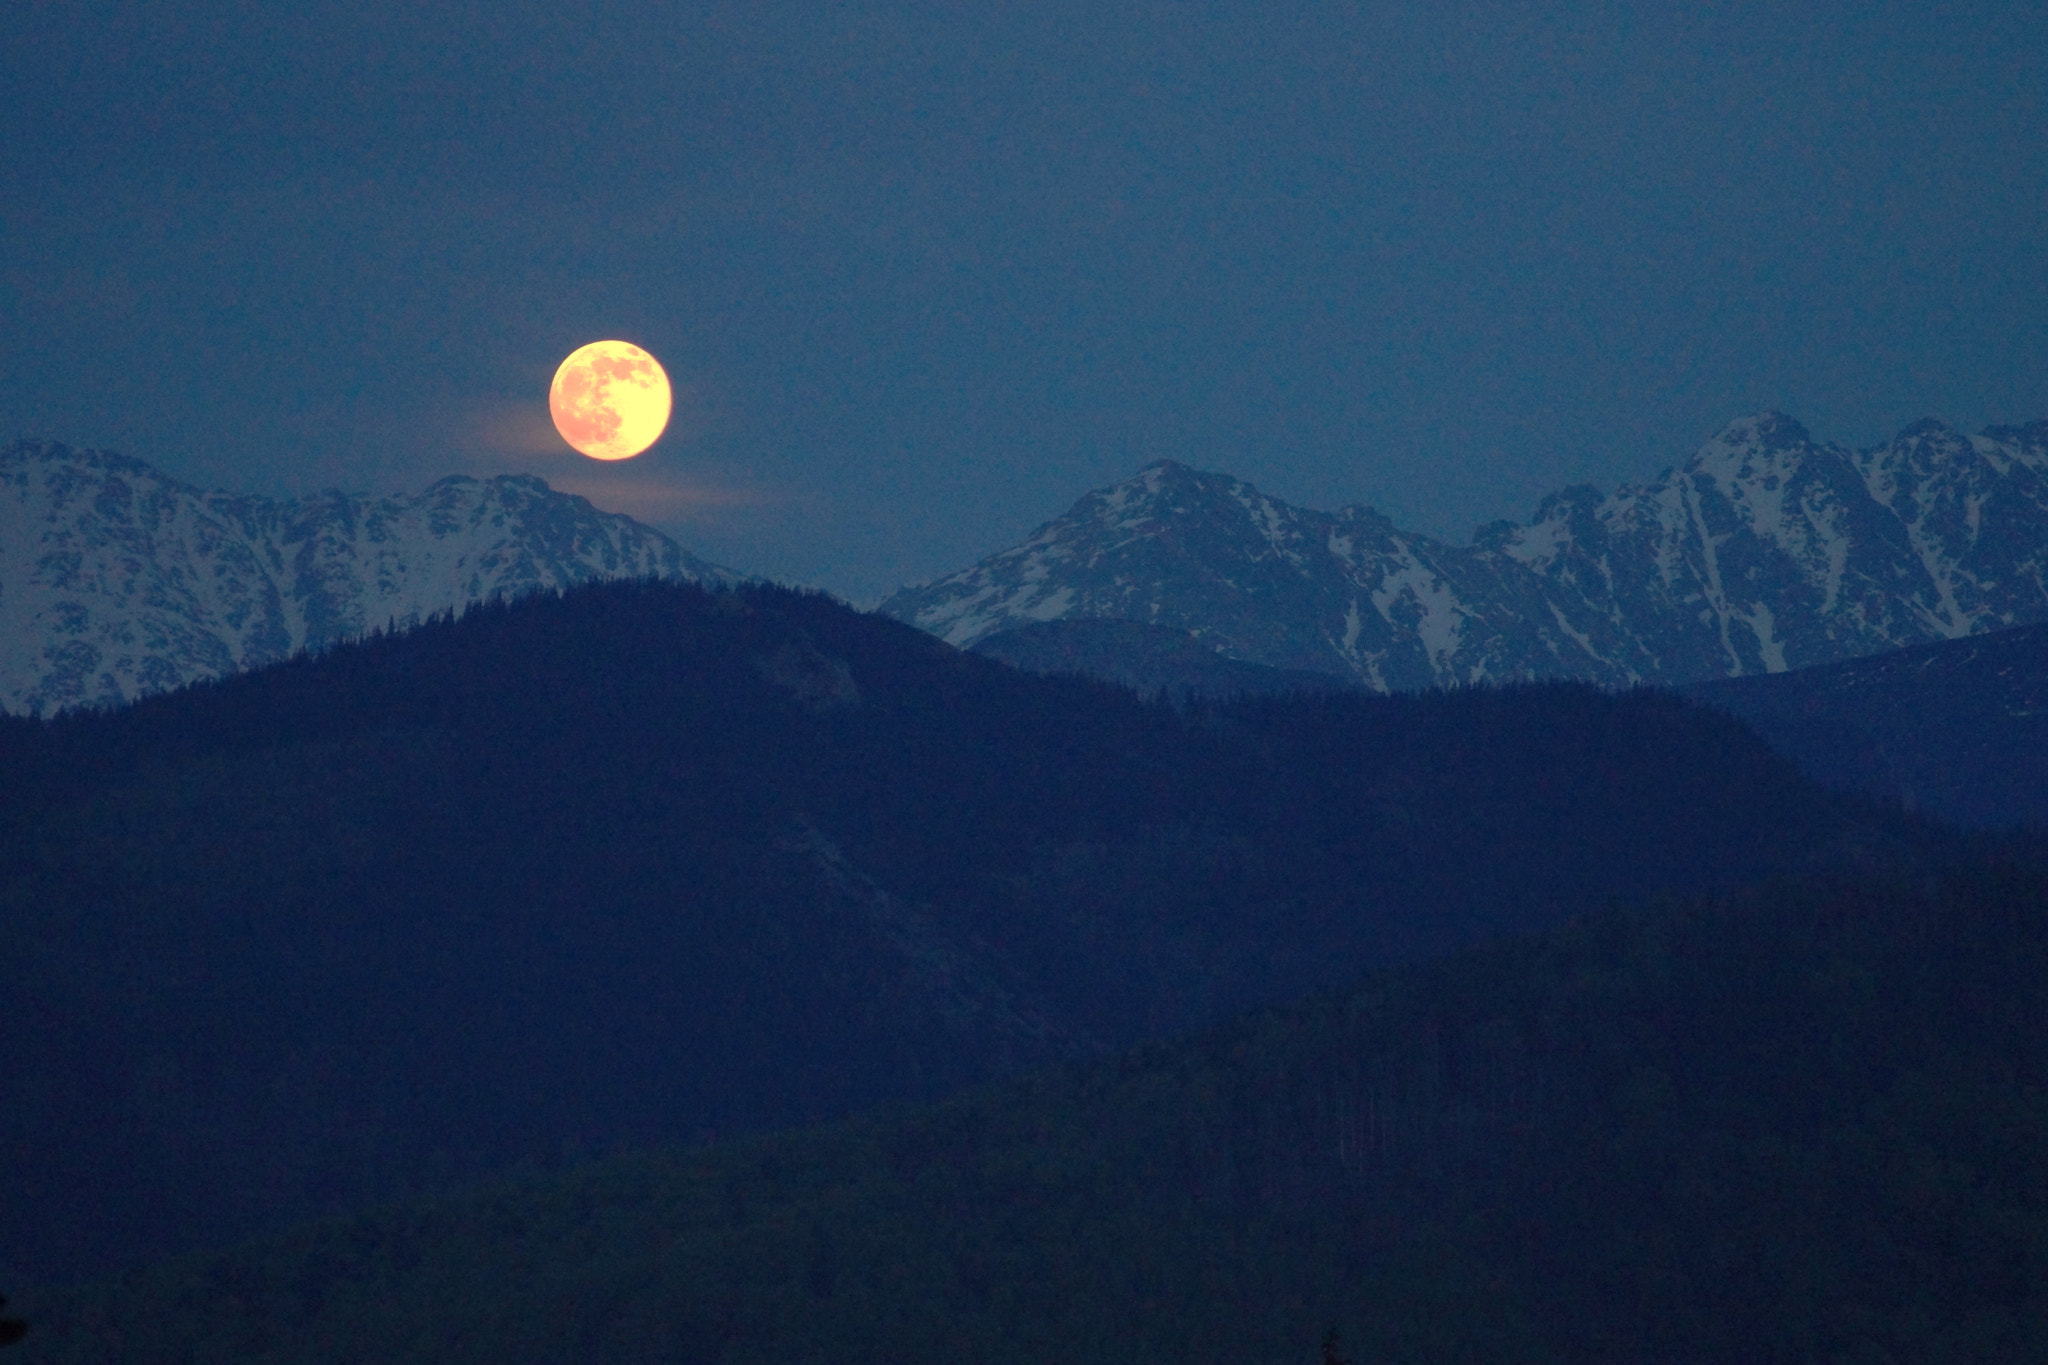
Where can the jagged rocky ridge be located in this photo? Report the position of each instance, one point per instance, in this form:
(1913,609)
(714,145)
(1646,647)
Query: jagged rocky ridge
(1766,551)
(117,581)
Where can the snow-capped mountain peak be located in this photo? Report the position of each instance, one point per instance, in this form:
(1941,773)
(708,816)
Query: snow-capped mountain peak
(1766,550)
(117,580)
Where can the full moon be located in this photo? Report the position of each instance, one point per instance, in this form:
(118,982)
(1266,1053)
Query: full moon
(610,400)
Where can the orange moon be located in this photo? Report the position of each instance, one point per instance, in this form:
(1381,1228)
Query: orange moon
(610,400)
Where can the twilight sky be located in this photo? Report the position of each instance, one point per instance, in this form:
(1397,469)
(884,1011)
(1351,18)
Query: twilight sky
(923,273)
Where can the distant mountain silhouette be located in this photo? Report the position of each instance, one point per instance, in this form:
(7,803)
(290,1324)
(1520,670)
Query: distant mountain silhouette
(1958,729)
(1147,659)
(650,862)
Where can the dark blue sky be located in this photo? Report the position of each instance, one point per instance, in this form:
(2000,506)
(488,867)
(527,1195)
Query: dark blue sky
(927,272)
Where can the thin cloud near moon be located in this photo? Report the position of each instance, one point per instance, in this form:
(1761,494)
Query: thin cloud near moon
(519,438)
(513,435)
(518,429)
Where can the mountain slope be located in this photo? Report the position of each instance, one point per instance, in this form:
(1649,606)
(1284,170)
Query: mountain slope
(1958,729)
(1797,1125)
(1147,659)
(1766,551)
(117,581)
(644,862)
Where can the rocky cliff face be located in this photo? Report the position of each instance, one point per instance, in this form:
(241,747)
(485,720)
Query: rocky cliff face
(117,581)
(1766,551)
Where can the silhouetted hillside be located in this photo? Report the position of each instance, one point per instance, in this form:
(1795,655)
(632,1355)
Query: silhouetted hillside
(648,862)
(1147,659)
(1958,729)
(1802,1124)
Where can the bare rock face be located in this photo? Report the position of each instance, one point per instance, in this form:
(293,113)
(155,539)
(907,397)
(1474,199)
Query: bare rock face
(1765,552)
(117,581)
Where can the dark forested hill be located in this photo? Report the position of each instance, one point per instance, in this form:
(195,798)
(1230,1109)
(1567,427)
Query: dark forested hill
(1806,1123)
(1147,659)
(650,862)
(1958,729)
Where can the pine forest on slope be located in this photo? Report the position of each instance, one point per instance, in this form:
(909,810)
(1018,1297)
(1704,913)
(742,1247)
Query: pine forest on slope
(646,862)
(1807,1123)
(1957,728)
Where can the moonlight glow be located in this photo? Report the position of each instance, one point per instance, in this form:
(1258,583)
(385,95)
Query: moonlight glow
(610,400)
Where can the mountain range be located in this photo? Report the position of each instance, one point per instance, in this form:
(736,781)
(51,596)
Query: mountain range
(353,918)
(1766,551)
(117,581)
